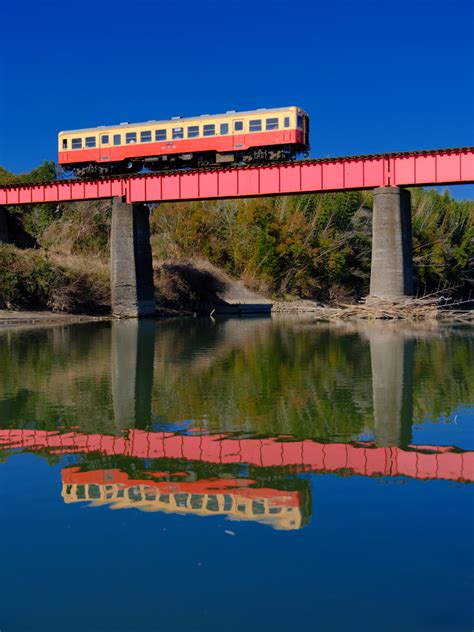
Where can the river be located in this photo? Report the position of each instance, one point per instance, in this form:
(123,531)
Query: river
(253,474)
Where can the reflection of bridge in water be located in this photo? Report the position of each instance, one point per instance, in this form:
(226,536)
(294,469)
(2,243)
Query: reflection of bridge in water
(365,459)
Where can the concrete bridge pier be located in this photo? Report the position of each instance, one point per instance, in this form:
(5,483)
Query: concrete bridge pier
(3,226)
(391,274)
(131,268)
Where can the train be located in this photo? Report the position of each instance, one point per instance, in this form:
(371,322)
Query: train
(234,138)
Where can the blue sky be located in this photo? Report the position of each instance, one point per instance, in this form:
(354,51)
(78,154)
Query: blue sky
(374,75)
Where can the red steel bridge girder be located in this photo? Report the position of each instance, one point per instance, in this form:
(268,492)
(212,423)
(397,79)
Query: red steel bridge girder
(436,167)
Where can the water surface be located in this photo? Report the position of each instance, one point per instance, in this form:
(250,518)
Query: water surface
(237,475)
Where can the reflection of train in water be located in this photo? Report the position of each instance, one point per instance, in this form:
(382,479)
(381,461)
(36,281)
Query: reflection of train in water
(233,497)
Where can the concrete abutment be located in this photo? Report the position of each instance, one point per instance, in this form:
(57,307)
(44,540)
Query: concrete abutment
(391,274)
(131,265)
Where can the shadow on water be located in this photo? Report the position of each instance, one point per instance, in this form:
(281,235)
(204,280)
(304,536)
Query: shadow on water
(223,418)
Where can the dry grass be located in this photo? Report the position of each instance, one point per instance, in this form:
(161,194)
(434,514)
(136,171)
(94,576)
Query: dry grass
(36,279)
(82,264)
(428,308)
(87,287)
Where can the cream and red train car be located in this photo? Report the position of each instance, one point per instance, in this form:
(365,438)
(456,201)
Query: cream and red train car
(257,136)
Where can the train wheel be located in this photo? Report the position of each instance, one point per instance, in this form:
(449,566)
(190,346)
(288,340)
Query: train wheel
(104,170)
(85,171)
(133,167)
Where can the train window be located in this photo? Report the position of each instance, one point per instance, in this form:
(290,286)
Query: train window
(104,139)
(160,134)
(134,494)
(212,503)
(145,137)
(272,123)
(238,126)
(64,143)
(94,491)
(90,141)
(76,143)
(196,501)
(178,132)
(224,128)
(255,125)
(117,139)
(181,499)
(209,130)
(130,138)
(150,493)
(227,502)
(258,508)
(193,131)
(287,121)
(300,121)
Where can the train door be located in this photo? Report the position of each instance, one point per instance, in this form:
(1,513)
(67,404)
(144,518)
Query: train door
(306,130)
(104,144)
(238,133)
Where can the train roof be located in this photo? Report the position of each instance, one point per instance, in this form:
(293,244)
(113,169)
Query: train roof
(176,119)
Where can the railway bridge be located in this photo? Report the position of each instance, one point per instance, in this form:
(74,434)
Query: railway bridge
(387,174)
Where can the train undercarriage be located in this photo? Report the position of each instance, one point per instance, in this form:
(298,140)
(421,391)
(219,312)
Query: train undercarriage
(171,162)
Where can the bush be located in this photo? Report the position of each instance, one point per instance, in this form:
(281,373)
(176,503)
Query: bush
(316,246)
(31,280)
(78,228)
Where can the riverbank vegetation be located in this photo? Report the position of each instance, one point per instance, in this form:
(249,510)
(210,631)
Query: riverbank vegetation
(307,246)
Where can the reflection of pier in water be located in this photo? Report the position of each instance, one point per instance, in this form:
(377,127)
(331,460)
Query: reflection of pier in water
(132,357)
(391,355)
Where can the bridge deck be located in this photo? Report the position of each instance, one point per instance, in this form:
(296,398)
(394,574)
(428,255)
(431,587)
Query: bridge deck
(432,167)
